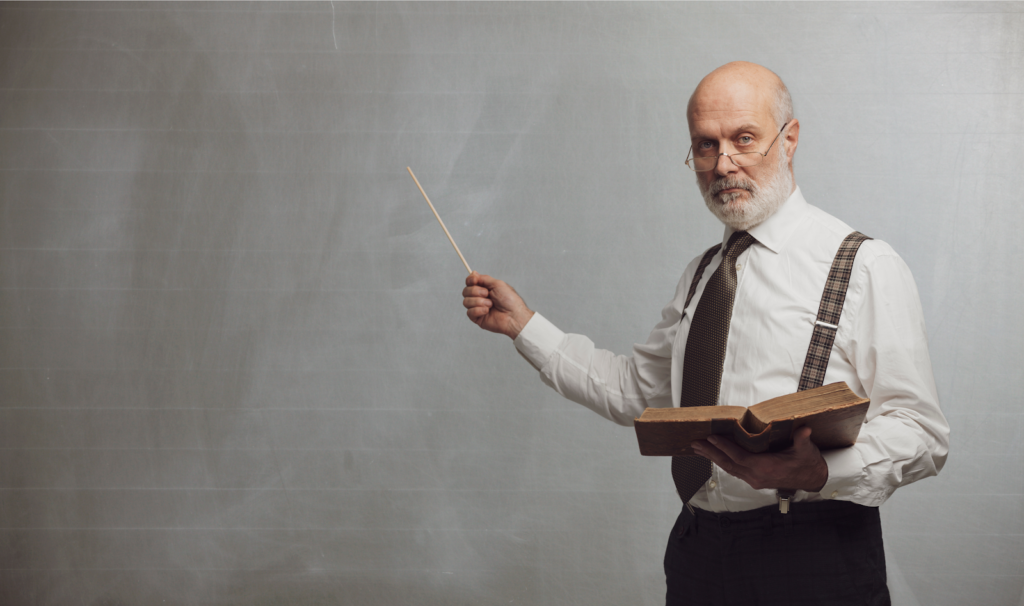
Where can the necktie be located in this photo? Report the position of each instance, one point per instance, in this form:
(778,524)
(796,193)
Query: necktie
(704,357)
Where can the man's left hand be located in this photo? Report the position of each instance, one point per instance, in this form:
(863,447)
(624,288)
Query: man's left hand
(799,467)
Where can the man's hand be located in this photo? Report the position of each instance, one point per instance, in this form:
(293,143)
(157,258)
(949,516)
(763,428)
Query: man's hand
(495,306)
(799,467)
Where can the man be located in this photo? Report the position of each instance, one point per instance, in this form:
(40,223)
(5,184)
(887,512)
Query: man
(735,542)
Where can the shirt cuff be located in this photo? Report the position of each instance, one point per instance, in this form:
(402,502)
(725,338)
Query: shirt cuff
(845,474)
(538,340)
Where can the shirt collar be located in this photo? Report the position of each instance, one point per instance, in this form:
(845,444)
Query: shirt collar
(774,231)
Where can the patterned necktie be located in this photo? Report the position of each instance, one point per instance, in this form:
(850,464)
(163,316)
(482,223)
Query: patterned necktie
(705,357)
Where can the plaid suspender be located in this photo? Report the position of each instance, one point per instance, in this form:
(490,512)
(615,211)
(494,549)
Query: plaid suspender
(827,323)
(831,307)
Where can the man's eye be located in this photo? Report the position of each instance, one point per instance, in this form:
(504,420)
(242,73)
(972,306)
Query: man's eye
(746,140)
(705,145)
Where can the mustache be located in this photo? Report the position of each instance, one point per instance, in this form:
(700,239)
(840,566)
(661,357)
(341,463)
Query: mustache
(730,183)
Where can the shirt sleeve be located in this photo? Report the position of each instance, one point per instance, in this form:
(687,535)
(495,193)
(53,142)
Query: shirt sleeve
(905,437)
(617,387)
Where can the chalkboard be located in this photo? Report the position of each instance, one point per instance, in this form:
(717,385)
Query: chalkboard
(234,365)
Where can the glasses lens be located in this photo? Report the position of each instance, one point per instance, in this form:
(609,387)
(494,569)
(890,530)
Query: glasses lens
(704,164)
(747,158)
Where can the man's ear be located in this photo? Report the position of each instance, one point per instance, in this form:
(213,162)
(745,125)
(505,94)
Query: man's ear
(792,139)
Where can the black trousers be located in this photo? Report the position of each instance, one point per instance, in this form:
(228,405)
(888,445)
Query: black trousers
(825,554)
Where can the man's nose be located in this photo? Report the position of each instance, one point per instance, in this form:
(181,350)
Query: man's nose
(725,166)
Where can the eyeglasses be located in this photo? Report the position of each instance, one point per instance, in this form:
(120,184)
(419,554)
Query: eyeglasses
(703,164)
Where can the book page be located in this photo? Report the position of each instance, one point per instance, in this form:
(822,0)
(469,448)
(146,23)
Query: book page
(836,395)
(694,413)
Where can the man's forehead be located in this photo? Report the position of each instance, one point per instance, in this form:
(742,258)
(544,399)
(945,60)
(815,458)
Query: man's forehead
(726,122)
(729,100)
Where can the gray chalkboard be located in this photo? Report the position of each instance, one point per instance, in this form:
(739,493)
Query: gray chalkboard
(234,365)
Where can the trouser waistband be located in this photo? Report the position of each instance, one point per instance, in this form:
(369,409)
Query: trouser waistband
(767,519)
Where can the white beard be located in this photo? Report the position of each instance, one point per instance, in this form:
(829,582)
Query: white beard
(764,199)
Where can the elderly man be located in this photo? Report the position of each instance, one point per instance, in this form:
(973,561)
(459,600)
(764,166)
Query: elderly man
(749,322)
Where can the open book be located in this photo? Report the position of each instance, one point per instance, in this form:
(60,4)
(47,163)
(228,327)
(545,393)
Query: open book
(833,412)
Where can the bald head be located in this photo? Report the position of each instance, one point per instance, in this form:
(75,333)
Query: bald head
(737,117)
(741,84)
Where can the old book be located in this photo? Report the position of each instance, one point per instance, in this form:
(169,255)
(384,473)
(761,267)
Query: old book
(833,412)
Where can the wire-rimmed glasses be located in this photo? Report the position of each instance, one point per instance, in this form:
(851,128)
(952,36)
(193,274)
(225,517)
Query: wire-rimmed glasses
(702,164)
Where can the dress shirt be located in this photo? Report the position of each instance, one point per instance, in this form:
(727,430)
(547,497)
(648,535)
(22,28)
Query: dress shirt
(880,351)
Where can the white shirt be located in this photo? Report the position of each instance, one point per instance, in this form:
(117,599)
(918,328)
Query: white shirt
(880,351)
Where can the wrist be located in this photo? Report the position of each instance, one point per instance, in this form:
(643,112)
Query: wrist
(518,323)
(819,476)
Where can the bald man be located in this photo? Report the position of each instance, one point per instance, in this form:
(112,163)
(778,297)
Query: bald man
(798,526)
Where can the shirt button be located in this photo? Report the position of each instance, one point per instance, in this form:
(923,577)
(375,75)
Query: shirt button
(712,484)
(835,493)
(739,266)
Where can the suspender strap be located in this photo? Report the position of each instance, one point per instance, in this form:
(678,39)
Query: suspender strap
(827,322)
(704,262)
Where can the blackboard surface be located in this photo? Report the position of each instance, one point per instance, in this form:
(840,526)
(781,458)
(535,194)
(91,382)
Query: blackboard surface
(234,366)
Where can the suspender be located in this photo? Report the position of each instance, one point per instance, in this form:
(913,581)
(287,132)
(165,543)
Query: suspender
(827,323)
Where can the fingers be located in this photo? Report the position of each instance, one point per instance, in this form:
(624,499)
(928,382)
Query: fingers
(477,303)
(476,314)
(802,445)
(717,455)
(799,467)
(476,279)
(723,453)
(709,452)
(730,448)
(475,291)
(802,436)
(476,299)
(494,305)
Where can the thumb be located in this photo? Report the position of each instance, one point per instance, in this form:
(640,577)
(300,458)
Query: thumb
(802,436)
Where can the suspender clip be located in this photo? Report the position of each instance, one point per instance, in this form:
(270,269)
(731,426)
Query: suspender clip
(784,498)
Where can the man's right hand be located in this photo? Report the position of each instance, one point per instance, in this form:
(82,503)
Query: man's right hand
(495,306)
